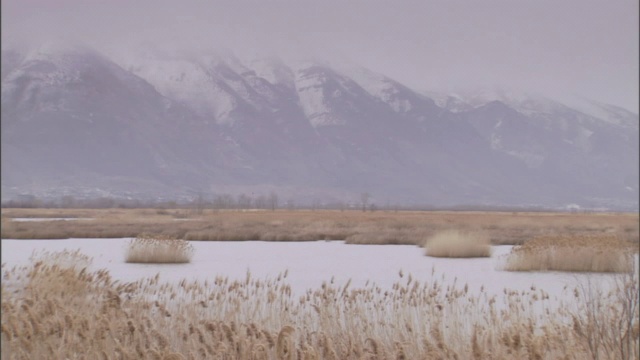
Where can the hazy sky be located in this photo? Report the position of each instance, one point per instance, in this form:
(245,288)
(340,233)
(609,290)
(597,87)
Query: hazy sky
(586,47)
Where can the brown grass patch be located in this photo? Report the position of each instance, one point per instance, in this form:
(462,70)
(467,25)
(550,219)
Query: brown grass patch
(354,227)
(457,244)
(158,249)
(590,253)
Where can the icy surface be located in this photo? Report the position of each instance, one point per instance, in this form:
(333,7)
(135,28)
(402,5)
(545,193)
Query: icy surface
(309,264)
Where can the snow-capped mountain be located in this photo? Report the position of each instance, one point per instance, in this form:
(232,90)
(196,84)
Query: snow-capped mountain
(173,122)
(558,138)
(70,114)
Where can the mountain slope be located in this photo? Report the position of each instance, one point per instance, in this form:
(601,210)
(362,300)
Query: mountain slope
(69,113)
(169,124)
(584,148)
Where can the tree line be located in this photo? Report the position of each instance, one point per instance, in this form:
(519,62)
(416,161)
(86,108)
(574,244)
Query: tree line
(200,202)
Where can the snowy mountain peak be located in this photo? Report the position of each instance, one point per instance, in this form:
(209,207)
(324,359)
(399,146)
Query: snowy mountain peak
(609,113)
(63,54)
(208,120)
(53,48)
(274,70)
(538,105)
(379,86)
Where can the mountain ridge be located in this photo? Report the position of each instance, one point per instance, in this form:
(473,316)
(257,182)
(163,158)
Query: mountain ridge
(204,123)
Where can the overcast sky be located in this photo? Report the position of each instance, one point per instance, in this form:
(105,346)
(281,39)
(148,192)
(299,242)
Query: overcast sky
(585,47)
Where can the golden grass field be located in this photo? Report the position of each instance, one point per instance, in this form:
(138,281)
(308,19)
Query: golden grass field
(355,227)
(54,308)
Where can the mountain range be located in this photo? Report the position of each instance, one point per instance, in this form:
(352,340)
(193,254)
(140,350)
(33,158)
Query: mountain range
(159,124)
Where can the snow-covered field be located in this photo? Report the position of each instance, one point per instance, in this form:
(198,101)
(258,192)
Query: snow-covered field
(311,263)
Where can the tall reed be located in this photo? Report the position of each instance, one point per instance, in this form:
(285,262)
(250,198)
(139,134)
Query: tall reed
(53,309)
(580,253)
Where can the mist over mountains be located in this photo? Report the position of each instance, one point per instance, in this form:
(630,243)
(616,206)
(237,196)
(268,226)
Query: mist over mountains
(160,124)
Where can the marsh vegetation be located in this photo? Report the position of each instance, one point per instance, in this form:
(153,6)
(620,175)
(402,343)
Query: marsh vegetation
(354,227)
(457,244)
(59,304)
(586,253)
(56,306)
(158,249)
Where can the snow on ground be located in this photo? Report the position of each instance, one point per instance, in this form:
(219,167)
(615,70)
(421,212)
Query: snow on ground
(309,264)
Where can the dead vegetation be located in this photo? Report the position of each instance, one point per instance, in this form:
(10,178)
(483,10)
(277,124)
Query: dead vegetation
(580,253)
(158,249)
(457,244)
(354,227)
(56,308)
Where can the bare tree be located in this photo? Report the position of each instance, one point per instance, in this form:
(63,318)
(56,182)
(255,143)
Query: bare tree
(68,201)
(315,204)
(364,199)
(273,200)
(291,204)
(261,202)
(198,204)
(244,201)
(223,201)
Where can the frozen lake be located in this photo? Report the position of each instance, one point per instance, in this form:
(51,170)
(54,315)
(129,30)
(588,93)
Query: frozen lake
(309,264)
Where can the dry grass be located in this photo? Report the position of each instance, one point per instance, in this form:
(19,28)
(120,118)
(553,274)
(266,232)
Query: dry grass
(158,249)
(53,310)
(354,227)
(593,253)
(457,244)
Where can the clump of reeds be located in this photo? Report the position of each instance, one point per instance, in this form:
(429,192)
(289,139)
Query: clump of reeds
(158,249)
(579,253)
(607,322)
(458,244)
(64,259)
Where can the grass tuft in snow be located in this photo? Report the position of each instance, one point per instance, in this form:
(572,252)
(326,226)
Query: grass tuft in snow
(158,249)
(458,244)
